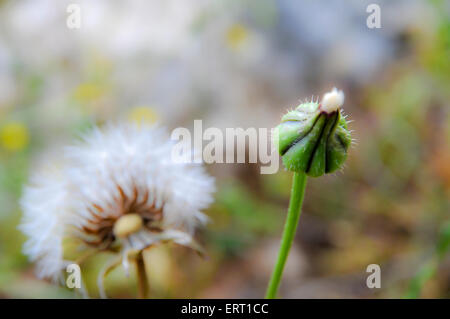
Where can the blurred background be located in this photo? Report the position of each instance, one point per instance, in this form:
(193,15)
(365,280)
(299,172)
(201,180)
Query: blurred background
(242,64)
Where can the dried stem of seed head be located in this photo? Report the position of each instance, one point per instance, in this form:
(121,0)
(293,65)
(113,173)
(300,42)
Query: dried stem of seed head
(143,287)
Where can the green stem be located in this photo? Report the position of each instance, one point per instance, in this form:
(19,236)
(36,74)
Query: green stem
(295,205)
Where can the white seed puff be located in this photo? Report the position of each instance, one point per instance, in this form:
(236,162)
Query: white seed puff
(332,100)
(122,174)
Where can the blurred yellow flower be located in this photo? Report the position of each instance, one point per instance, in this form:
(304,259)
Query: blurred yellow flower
(14,136)
(142,114)
(237,34)
(87,92)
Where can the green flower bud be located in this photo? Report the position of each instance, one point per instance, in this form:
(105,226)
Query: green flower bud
(313,138)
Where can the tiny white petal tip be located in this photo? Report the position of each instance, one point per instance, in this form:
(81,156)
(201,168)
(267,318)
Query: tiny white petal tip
(332,100)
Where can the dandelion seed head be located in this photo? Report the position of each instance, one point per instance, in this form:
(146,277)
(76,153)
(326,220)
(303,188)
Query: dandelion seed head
(118,185)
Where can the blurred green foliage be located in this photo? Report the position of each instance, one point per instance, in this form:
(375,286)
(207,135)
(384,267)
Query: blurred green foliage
(391,202)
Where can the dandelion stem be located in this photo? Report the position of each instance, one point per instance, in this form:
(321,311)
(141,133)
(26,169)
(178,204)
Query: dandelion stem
(141,277)
(290,227)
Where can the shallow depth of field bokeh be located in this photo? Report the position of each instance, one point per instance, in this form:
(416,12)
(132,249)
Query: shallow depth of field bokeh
(242,64)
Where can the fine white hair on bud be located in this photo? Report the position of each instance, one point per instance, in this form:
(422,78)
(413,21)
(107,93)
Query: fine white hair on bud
(332,100)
